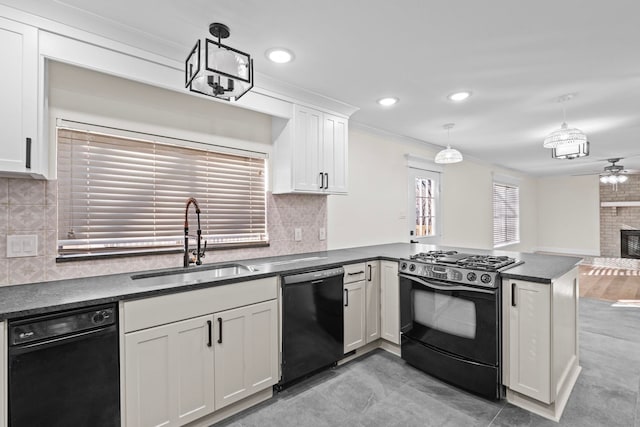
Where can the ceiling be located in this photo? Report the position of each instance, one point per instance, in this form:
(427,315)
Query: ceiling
(516,57)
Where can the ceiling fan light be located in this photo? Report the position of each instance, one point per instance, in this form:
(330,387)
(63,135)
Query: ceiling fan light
(448,155)
(622,178)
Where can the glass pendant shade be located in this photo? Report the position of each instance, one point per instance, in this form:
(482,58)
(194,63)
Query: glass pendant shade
(448,155)
(565,136)
(217,70)
(570,151)
(613,179)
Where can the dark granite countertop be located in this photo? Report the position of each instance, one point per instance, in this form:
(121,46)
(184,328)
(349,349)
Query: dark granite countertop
(36,298)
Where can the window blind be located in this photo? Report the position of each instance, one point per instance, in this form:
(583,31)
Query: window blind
(506,214)
(121,194)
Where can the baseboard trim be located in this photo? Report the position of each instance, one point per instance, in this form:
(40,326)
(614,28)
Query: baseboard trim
(233,409)
(567,251)
(552,411)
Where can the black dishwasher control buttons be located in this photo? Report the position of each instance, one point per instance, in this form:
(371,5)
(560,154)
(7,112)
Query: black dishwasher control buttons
(100,317)
(486,278)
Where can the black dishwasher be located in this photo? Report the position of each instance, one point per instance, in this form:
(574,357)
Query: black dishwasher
(312,322)
(63,369)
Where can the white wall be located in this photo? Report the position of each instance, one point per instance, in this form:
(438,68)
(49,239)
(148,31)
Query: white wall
(82,95)
(569,215)
(375,210)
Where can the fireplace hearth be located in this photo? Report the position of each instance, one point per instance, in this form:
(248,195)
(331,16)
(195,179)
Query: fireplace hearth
(630,244)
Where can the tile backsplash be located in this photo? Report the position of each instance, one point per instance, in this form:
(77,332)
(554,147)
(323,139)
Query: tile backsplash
(29,206)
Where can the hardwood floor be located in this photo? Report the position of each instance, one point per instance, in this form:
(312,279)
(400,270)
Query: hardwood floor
(609,284)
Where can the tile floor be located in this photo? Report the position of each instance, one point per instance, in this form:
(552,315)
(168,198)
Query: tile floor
(379,389)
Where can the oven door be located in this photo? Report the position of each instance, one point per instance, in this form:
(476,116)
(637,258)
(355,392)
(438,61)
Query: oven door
(451,318)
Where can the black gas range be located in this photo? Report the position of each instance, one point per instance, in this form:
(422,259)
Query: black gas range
(452,266)
(450,317)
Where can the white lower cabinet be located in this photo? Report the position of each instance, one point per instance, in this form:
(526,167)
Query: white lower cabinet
(530,340)
(169,373)
(372,301)
(389,302)
(354,315)
(246,352)
(361,304)
(540,343)
(3,376)
(182,363)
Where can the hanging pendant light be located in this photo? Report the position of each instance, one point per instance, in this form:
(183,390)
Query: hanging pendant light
(566,142)
(218,70)
(448,155)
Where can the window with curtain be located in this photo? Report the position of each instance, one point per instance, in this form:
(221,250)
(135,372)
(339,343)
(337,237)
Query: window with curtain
(128,195)
(506,214)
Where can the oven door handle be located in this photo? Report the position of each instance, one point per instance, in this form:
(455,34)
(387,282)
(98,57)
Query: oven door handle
(447,287)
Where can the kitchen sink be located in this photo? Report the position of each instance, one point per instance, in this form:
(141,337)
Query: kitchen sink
(185,276)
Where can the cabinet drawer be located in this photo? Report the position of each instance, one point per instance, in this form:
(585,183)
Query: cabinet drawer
(160,310)
(354,272)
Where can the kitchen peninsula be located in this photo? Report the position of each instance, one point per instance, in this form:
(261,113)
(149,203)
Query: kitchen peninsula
(539,313)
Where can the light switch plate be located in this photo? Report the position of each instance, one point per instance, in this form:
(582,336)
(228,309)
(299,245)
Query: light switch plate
(22,245)
(322,235)
(297,234)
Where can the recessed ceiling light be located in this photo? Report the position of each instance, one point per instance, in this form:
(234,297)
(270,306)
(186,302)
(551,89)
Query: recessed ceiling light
(459,96)
(279,55)
(387,102)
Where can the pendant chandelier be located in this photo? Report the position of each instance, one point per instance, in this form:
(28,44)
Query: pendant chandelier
(448,155)
(567,143)
(218,70)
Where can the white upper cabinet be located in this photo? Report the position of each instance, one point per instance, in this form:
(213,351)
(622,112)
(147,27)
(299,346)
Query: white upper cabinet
(20,148)
(311,153)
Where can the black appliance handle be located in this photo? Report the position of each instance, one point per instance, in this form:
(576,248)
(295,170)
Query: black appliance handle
(326,176)
(346,297)
(447,287)
(370,276)
(355,273)
(513,294)
(57,341)
(321,181)
(219,330)
(209,328)
(27,163)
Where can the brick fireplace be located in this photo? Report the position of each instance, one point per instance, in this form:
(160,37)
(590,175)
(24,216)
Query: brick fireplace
(620,218)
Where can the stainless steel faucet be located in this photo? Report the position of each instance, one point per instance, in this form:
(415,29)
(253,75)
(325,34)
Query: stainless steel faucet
(197,255)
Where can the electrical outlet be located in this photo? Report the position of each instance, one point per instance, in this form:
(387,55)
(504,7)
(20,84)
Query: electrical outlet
(297,234)
(22,245)
(322,233)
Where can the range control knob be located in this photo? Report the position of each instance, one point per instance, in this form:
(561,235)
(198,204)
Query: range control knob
(485,278)
(412,267)
(403,266)
(472,277)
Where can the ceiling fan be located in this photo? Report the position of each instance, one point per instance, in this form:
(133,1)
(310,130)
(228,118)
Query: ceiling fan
(613,174)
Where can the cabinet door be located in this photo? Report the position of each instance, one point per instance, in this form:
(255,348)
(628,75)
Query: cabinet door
(390,302)
(307,148)
(372,303)
(3,376)
(530,339)
(169,373)
(18,102)
(246,351)
(335,154)
(354,315)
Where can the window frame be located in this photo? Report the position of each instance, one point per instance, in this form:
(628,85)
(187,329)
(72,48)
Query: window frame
(422,168)
(512,183)
(177,144)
